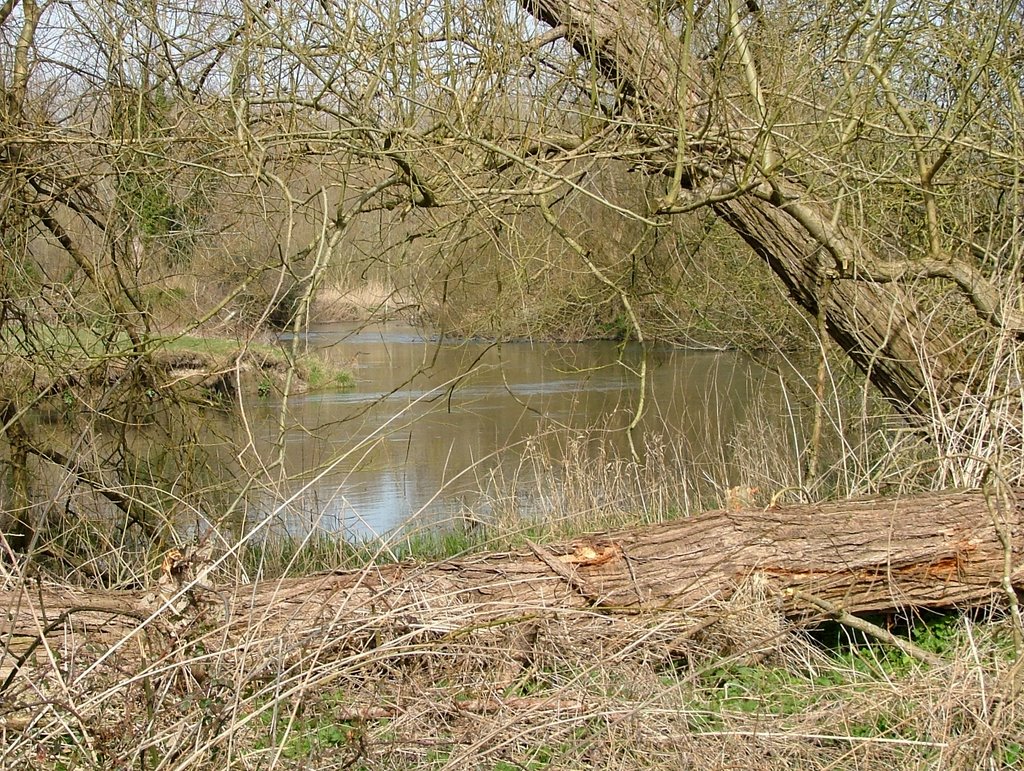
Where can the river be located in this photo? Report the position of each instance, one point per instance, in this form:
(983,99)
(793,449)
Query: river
(437,427)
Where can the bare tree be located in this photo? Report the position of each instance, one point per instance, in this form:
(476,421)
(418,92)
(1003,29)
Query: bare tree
(240,153)
(788,168)
(869,154)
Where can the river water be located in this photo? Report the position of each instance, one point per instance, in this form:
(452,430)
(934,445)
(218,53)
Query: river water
(436,426)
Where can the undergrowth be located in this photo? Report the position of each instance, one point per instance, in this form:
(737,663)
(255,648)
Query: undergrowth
(579,690)
(395,680)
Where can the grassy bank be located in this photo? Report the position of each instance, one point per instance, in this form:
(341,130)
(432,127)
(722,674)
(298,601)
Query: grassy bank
(653,695)
(578,690)
(223,364)
(52,360)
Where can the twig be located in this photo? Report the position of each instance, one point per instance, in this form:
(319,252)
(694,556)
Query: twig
(998,522)
(848,619)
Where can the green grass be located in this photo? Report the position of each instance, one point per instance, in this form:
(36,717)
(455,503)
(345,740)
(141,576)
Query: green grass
(313,738)
(281,554)
(759,689)
(320,375)
(217,346)
(284,554)
(316,373)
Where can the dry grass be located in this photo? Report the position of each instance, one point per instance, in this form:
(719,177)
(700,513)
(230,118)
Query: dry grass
(352,300)
(545,690)
(726,685)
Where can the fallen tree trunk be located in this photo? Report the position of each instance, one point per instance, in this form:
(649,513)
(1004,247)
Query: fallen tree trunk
(874,554)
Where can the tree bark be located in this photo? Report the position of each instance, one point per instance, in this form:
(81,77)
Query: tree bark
(936,550)
(879,326)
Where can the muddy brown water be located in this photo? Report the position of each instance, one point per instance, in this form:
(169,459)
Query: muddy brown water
(436,428)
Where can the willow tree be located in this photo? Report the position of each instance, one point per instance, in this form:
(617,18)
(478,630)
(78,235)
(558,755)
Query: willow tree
(869,153)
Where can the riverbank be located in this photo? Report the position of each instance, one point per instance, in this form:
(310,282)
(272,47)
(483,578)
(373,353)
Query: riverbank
(697,327)
(365,301)
(224,366)
(205,367)
(392,667)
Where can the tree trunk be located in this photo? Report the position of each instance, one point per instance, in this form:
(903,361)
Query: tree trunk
(930,551)
(16,521)
(878,325)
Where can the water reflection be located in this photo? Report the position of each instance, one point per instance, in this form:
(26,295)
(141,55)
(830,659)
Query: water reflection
(431,423)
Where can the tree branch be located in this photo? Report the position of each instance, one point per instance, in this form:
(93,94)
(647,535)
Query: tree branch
(982,293)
